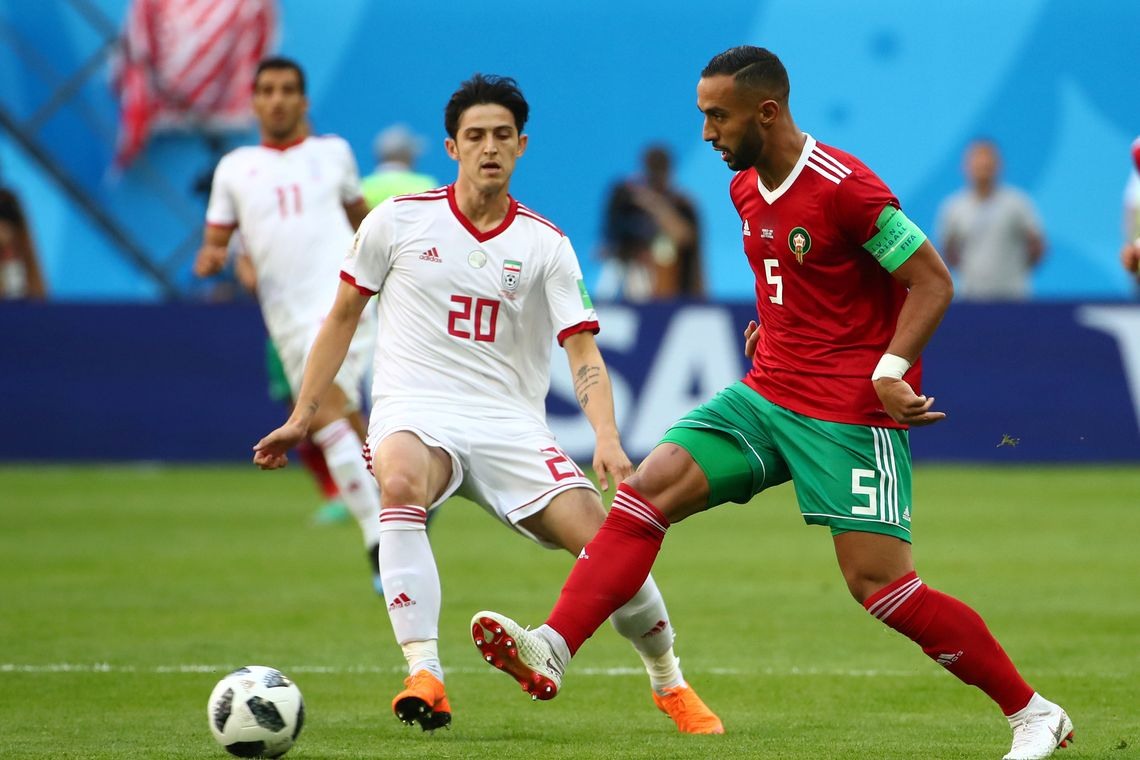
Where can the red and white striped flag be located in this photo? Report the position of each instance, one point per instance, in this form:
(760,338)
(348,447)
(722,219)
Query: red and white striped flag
(188,64)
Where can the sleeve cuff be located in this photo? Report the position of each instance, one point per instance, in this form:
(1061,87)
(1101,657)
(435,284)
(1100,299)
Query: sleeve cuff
(591,326)
(352,281)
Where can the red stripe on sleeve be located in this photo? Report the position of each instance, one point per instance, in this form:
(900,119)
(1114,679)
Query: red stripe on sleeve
(352,281)
(591,326)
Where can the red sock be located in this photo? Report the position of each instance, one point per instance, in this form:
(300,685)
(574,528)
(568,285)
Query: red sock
(314,461)
(611,569)
(954,636)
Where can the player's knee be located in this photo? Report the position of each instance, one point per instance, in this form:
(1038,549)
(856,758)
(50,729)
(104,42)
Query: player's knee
(399,487)
(863,584)
(672,482)
(569,521)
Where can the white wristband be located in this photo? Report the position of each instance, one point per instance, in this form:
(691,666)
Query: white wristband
(890,366)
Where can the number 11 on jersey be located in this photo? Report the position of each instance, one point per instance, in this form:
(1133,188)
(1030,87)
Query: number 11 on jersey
(286,194)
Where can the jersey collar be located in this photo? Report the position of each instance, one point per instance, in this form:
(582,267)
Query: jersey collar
(482,237)
(771,196)
(285,146)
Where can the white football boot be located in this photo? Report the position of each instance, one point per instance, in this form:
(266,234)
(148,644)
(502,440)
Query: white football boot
(521,654)
(1039,729)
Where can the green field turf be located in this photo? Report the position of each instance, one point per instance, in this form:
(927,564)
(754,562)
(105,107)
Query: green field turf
(126,592)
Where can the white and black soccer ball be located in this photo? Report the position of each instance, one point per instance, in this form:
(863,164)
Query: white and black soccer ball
(256,712)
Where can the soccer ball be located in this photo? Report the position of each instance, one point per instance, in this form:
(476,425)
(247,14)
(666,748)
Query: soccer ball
(256,712)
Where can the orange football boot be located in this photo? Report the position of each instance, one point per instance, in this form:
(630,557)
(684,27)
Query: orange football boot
(423,701)
(691,715)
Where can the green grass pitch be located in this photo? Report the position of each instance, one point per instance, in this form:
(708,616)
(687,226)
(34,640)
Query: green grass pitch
(126,592)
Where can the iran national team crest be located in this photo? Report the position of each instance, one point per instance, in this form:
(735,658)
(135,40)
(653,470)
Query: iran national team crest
(800,242)
(512,273)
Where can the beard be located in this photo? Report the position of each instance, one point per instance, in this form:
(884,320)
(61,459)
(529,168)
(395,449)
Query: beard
(282,130)
(748,151)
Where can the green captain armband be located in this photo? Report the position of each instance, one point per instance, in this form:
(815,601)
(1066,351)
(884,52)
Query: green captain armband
(897,239)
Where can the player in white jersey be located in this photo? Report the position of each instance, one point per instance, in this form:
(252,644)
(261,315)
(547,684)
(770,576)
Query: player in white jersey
(296,201)
(472,288)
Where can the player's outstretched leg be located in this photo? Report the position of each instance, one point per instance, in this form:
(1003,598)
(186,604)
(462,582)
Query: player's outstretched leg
(644,621)
(529,657)
(1038,730)
(423,701)
(955,636)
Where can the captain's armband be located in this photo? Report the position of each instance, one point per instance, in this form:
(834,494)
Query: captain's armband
(897,238)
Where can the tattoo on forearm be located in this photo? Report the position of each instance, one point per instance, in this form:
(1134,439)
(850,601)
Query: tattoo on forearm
(313,407)
(589,375)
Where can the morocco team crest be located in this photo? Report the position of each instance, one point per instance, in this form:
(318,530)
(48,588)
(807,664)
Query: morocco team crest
(800,242)
(512,273)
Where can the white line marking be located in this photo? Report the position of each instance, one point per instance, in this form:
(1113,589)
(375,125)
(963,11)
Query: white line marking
(191,668)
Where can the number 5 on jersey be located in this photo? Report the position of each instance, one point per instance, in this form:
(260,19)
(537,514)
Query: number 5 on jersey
(775,280)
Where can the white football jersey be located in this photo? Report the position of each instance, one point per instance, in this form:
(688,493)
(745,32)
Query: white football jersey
(288,205)
(466,317)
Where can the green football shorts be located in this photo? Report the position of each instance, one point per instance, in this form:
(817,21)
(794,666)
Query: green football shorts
(848,477)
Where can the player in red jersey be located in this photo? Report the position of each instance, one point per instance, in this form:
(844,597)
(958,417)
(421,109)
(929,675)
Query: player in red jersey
(849,291)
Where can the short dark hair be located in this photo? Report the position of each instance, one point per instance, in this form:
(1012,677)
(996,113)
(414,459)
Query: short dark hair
(276,63)
(485,88)
(753,67)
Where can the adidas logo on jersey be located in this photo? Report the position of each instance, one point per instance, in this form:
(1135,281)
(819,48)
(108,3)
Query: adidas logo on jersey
(431,254)
(403,600)
(747,232)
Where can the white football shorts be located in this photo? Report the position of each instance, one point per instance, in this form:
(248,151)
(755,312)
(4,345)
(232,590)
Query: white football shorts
(511,467)
(353,374)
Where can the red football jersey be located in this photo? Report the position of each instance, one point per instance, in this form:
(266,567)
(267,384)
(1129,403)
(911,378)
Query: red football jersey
(827,308)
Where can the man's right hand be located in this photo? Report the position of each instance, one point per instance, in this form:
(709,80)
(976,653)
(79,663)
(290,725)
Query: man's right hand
(271,452)
(211,260)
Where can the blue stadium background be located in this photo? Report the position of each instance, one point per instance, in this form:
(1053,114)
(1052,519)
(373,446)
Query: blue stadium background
(902,84)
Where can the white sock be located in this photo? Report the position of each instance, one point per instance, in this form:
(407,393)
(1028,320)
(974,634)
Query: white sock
(1036,704)
(423,655)
(409,574)
(645,622)
(343,449)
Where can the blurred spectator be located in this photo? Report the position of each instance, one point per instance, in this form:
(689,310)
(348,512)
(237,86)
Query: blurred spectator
(989,232)
(20,275)
(651,237)
(396,149)
(1130,253)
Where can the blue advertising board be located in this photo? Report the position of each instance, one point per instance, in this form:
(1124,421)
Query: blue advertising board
(1047,382)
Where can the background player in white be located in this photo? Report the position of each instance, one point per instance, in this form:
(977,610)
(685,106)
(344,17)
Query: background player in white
(296,201)
(473,286)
